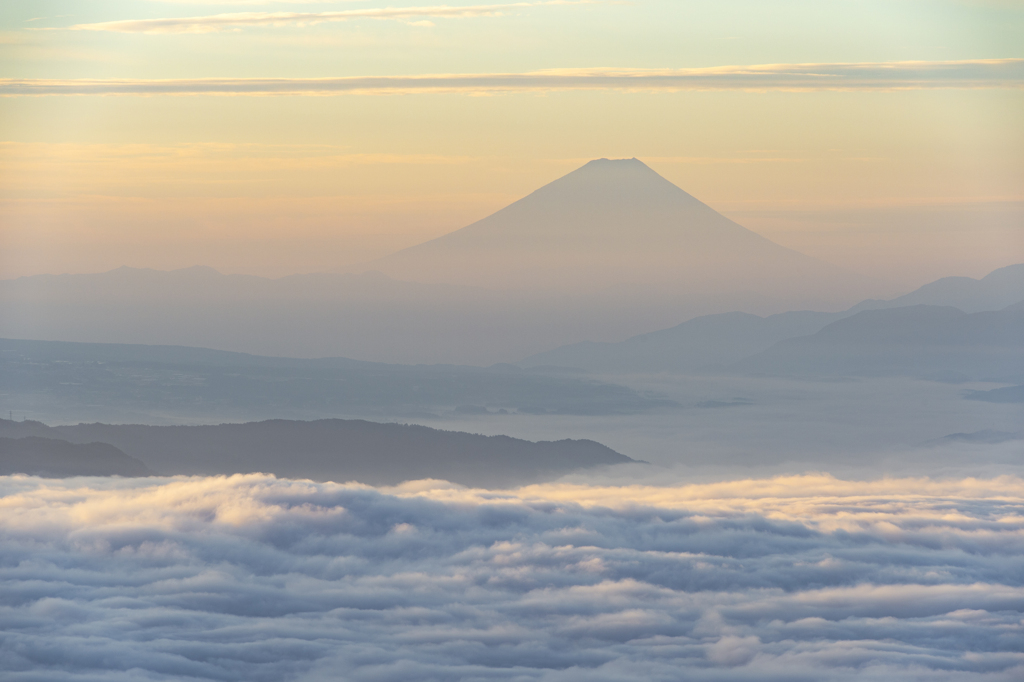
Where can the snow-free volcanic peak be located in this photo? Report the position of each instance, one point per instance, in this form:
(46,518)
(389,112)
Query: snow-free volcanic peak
(614,224)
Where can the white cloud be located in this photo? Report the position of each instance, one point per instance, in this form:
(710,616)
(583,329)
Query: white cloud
(238,20)
(254,578)
(988,73)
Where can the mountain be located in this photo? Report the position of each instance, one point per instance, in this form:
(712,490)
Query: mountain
(997,290)
(607,252)
(702,343)
(55,458)
(711,341)
(64,381)
(617,226)
(337,450)
(1008,394)
(928,342)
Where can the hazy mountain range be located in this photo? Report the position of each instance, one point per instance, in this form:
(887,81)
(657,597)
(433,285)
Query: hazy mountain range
(606,252)
(1007,394)
(997,290)
(329,449)
(923,341)
(719,341)
(70,382)
(122,383)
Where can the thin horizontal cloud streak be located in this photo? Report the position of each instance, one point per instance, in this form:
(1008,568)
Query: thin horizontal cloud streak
(239,20)
(988,73)
(255,578)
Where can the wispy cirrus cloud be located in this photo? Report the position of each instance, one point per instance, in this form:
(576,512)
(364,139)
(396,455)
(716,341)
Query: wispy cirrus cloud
(982,73)
(240,20)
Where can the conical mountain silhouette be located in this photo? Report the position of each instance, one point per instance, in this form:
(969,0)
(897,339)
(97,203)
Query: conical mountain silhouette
(616,224)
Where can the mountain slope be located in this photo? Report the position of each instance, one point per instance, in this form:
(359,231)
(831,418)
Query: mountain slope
(55,458)
(700,343)
(338,450)
(929,342)
(617,225)
(994,291)
(716,340)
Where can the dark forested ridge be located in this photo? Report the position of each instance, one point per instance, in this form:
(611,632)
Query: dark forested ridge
(55,458)
(336,449)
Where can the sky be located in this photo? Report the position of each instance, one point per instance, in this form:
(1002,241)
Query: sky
(274,138)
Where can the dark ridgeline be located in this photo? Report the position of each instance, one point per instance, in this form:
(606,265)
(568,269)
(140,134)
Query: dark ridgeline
(338,450)
(54,458)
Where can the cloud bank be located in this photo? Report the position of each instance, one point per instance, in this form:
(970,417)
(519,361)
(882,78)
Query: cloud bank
(988,73)
(254,578)
(238,20)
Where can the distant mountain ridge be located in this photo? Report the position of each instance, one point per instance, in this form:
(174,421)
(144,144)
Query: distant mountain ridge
(335,449)
(712,341)
(64,381)
(995,291)
(928,342)
(706,342)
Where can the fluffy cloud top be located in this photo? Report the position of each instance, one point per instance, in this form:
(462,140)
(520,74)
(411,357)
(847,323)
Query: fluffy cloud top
(255,578)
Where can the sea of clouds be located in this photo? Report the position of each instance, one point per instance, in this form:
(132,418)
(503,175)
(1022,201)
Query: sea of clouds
(255,578)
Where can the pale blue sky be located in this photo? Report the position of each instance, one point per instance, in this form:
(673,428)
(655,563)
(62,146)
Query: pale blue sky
(641,33)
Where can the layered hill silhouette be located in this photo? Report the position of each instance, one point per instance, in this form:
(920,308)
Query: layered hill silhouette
(618,225)
(707,342)
(332,449)
(929,342)
(1008,394)
(717,341)
(995,291)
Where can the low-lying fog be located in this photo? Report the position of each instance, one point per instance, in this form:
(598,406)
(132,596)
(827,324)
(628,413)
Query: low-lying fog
(737,426)
(899,560)
(722,427)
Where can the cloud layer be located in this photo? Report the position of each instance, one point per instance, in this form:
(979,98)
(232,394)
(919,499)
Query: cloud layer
(254,578)
(989,73)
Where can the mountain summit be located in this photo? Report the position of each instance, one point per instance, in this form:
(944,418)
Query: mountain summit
(615,224)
